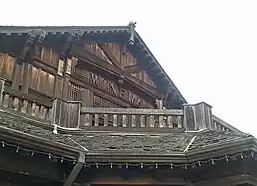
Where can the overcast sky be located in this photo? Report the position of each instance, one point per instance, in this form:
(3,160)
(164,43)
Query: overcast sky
(208,48)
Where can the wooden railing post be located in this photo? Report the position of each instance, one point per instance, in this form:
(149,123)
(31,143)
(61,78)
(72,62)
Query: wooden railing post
(66,113)
(198,116)
(2,82)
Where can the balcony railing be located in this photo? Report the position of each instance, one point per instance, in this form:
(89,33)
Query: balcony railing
(70,114)
(129,117)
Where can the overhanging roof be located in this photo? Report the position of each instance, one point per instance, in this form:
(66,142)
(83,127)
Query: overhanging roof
(139,49)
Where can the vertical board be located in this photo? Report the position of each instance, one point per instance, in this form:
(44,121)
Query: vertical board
(6,66)
(42,81)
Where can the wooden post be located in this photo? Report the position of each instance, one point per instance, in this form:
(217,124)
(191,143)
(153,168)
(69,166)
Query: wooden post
(76,170)
(66,113)
(27,77)
(17,75)
(198,116)
(2,82)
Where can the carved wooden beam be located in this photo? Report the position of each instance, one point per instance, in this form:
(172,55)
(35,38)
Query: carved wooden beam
(132,69)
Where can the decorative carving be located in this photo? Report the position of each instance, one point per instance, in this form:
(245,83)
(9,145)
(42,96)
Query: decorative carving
(132,26)
(114,89)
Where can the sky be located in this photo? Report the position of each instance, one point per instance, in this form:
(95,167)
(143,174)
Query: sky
(207,47)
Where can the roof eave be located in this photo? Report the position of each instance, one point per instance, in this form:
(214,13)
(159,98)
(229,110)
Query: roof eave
(160,67)
(43,144)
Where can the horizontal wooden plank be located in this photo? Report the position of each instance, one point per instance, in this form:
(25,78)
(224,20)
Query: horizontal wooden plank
(44,66)
(131,111)
(30,97)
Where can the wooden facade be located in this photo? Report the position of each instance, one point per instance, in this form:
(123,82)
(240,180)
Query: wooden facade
(62,86)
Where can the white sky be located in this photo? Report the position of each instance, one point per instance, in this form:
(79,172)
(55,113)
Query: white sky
(208,47)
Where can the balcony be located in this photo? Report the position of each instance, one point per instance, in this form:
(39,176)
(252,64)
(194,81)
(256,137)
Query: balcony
(70,115)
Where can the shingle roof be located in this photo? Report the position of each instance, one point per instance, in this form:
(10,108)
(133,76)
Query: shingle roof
(122,142)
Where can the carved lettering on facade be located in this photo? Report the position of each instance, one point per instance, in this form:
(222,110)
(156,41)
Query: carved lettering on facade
(112,88)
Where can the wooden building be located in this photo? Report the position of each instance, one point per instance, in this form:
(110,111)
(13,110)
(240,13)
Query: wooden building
(92,106)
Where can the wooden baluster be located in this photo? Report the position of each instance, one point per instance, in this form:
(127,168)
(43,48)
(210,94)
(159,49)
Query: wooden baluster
(48,113)
(34,109)
(215,125)
(115,120)
(105,120)
(151,121)
(29,108)
(179,121)
(169,122)
(41,112)
(133,120)
(6,101)
(24,106)
(96,119)
(10,102)
(88,120)
(124,120)
(142,121)
(161,122)
(37,112)
(15,104)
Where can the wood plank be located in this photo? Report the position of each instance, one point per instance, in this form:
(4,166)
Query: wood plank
(131,111)
(30,97)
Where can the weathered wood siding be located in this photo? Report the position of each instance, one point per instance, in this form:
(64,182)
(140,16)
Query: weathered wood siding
(66,114)
(123,57)
(7,63)
(49,56)
(42,81)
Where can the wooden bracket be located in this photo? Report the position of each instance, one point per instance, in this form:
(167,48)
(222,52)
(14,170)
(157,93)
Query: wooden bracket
(76,170)
(66,49)
(35,38)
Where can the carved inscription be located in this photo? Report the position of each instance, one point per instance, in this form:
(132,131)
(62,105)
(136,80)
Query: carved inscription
(112,88)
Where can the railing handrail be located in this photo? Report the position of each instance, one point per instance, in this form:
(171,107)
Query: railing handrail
(225,124)
(131,111)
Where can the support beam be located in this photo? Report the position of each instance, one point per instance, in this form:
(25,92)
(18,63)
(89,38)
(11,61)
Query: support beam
(132,69)
(76,170)
(109,54)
